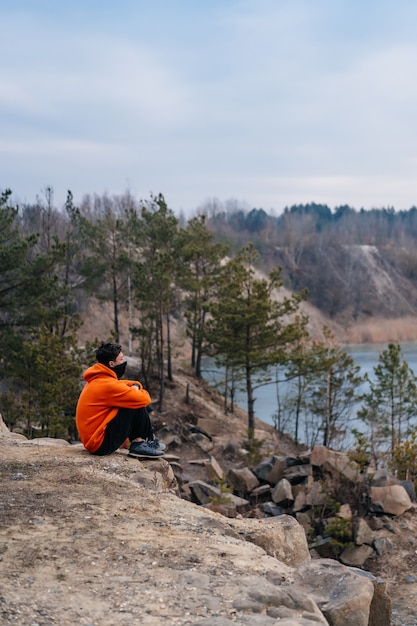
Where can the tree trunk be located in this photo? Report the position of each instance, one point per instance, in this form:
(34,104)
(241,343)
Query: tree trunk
(199,355)
(129,299)
(169,355)
(160,351)
(328,411)
(115,311)
(251,403)
(297,411)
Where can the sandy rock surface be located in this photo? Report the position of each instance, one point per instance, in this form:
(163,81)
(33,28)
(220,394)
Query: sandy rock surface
(82,542)
(95,541)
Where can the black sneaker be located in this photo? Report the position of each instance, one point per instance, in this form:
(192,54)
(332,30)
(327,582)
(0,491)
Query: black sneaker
(144,448)
(157,444)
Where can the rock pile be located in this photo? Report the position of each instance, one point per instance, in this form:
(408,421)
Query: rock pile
(341,509)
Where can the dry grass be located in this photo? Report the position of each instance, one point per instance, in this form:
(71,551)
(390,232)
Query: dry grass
(383,331)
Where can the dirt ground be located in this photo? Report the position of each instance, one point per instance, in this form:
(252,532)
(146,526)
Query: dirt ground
(398,566)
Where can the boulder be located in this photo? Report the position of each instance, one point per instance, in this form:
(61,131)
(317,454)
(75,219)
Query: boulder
(381,606)
(362,533)
(158,475)
(214,471)
(382,545)
(337,464)
(300,503)
(382,477)
(5,432)
(297,474)
(204,493)
(342,595)
(242,480)
(270,508)
(261,491)
(410,489)
(325,548)
(392,499)
(305,520)
(357,555)
(271,470)
(282,493)
(281,537)
(345,512)
(315,494)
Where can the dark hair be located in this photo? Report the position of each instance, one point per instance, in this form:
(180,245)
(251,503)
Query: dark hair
(108,352)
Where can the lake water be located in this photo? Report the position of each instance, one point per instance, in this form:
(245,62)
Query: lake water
(364,355)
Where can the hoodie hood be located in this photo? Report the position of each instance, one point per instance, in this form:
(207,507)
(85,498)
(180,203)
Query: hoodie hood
(98,370)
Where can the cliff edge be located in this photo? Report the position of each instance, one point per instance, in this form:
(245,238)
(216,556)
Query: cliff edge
(107,541)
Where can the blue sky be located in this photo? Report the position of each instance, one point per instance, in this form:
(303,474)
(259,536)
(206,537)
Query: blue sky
(267,103)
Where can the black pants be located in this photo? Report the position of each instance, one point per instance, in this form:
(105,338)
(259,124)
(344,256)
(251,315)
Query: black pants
(127,424)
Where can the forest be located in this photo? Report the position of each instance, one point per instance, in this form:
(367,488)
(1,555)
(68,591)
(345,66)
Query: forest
(218,278)
(330,254)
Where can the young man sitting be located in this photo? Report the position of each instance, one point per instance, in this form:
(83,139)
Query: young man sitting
(111,411)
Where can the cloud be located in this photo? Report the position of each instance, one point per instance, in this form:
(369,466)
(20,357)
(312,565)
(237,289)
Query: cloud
(68,147)
(98,85)
(272,101)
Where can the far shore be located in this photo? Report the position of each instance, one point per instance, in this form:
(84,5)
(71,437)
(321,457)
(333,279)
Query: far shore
(379,331)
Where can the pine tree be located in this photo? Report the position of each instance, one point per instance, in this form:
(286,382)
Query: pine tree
(22,271)
(197,273)
(155,236)
(104,261)
(300,364)
(333,381)
(43,380)
(251,329)
(41,365)
(390,406)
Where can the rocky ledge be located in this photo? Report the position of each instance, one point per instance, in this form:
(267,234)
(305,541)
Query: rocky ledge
(108,541)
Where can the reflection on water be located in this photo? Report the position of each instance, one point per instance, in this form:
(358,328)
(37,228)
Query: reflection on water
(364,355)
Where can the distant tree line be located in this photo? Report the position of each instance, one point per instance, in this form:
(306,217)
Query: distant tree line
(140,257)
(323,251)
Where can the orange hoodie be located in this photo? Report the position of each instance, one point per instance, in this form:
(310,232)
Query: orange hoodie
(103,395)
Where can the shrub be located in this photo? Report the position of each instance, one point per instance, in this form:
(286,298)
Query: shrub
(403,462)
(340,532)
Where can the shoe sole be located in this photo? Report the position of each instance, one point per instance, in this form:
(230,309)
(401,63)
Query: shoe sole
(137,455)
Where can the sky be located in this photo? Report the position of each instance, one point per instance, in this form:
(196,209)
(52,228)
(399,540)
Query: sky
(263,103)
